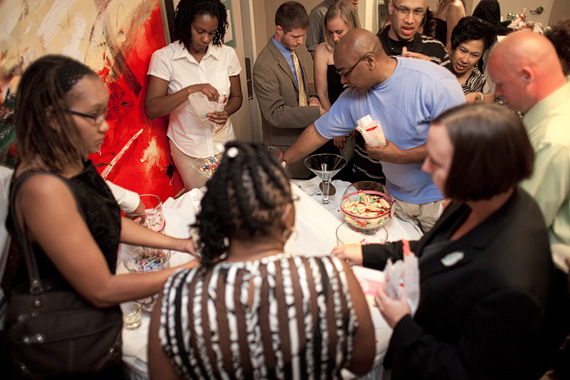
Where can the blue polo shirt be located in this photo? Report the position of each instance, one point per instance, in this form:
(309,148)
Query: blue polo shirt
(405,104)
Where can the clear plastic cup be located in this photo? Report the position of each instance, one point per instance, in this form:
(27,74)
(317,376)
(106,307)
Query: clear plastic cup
(132,317)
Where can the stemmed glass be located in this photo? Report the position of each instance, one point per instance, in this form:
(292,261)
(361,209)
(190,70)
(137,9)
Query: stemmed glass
(325,166)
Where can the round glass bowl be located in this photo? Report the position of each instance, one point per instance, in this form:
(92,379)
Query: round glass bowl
(366,205)
(347,234)
(142,259)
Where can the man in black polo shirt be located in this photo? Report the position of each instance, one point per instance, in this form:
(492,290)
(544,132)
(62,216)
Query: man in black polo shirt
(406,17)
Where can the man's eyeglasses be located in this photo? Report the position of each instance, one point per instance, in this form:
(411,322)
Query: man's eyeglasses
(405,11)
(97,118)
(347,73)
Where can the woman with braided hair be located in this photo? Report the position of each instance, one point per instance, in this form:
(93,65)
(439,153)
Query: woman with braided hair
(197,61)
(250,310)
(71,217)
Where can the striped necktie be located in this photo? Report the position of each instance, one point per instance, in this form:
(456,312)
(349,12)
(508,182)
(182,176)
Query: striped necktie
(302,94)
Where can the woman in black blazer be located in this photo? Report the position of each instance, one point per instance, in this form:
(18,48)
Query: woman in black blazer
(487,282)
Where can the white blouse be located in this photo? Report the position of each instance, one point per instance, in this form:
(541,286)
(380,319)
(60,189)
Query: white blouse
(174,64)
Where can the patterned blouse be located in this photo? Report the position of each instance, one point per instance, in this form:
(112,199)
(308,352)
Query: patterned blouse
(474,83)
(280,317)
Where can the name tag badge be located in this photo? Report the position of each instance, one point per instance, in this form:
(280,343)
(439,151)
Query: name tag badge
(452,258)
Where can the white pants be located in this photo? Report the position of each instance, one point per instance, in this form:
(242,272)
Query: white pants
(190,176)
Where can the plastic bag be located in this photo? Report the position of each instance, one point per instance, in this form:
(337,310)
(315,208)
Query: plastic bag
(201,104)
(404,273)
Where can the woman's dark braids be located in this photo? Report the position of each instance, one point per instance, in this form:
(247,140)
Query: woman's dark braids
(186,13)
(243,199)
(69,75)
(42,103)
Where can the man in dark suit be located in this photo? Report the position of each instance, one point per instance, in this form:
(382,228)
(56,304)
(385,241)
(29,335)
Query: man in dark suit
(286,102)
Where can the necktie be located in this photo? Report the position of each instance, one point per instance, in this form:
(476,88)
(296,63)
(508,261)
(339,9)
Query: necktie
(302,94)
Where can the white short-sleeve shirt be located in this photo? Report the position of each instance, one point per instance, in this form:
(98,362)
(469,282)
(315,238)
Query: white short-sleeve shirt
(174,64)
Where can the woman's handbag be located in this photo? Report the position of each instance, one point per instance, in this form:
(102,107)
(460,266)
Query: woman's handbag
(51,329)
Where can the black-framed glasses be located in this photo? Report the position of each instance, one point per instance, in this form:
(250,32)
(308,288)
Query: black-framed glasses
(97,118)
(347,73)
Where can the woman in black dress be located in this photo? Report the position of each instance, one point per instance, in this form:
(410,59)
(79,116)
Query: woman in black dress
(72,219)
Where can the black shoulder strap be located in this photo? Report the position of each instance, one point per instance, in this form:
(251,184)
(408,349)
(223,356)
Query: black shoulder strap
(21,235)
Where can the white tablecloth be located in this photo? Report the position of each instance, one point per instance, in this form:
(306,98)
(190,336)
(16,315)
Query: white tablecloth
(316,235)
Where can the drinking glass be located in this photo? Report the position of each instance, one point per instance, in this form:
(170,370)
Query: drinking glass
(153,217)
(132,317)
(276,153)
(325,166)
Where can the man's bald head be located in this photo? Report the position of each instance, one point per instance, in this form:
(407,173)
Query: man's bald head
(525,69)
(361,61)
(358,42)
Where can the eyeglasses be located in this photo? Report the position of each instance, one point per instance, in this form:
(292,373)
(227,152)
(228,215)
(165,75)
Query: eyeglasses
(405,11)
(347,73)
(97,118)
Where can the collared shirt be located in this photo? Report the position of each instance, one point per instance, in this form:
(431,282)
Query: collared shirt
(174,64)
(363,166)
(548,127)
(405,104)
(316,17)
(420,44)
(288,54)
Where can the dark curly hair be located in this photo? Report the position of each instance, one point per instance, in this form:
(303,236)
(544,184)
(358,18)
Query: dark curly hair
(472,28)
(428,23)
(186,13)
(244,198)
(559,35)
(42,101)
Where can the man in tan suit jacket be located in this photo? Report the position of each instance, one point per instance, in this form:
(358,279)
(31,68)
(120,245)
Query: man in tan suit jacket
(286,102)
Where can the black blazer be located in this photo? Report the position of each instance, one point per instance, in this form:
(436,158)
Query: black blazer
(487,300)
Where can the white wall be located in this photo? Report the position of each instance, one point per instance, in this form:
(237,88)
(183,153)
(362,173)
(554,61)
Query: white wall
(554,9)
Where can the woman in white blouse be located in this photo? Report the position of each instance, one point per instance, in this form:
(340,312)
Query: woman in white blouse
(197,61)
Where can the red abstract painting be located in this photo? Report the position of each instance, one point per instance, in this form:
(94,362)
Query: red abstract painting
(116,39)
(136,148)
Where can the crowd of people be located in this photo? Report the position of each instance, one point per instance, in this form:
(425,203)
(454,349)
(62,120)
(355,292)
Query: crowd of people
(484,175)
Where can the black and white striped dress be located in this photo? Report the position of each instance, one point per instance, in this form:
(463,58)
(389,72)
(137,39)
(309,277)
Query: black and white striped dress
(280,317)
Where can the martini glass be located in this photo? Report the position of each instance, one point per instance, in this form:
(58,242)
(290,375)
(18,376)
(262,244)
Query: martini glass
(325,166)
